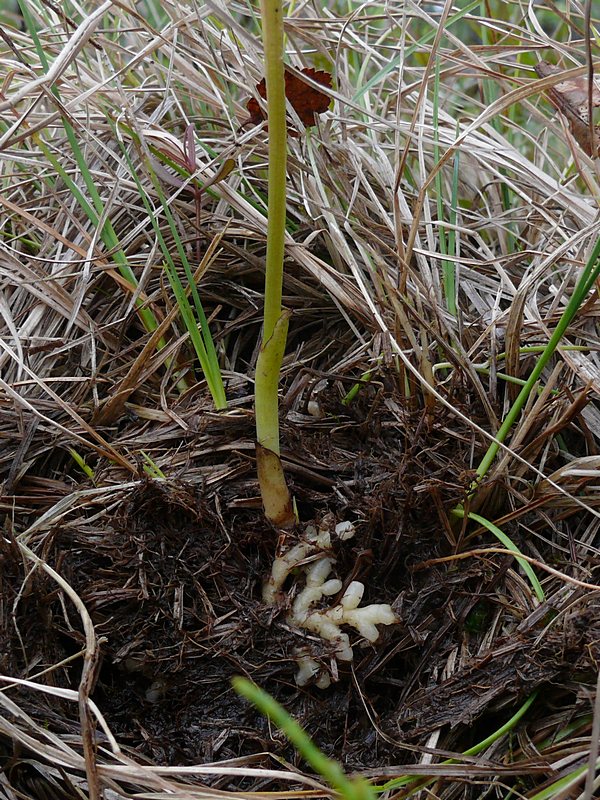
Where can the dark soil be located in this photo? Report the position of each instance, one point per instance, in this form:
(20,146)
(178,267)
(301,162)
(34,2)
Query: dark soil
(172,580)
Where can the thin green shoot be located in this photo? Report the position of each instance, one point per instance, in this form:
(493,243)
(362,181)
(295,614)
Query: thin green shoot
(511,379)
(482,369)
(151,468)
(509,544)
(575,727)
(330,771)
(82,464)
(107,235)
(204,344)
(351,395)
(27,241)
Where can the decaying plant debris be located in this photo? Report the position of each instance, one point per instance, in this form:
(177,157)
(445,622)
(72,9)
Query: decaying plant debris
(134,548)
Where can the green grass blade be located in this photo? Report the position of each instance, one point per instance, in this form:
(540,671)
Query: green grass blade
(202,341)
(585,283)
(96,213)
(446,245)
(394,63)
(330,770)
(450,287)
(509,544)
(151,468)
(480,747)
(209,359)
(82,463)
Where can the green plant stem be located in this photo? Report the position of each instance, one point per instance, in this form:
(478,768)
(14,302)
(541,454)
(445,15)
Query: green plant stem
(266,385)
(274,332)
(272,18)
(273,487)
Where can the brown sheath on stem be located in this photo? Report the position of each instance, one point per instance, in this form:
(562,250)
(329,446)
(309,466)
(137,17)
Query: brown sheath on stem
(276,497)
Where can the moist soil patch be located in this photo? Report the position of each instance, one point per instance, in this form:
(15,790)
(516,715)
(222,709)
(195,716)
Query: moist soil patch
(172,580)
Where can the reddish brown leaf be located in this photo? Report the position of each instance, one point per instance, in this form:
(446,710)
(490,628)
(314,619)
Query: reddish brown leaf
(306,100)
(571,98)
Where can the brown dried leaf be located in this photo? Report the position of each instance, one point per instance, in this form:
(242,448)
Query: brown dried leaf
(571,98)
(306,100)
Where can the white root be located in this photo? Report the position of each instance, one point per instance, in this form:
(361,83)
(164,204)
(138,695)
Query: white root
(326,622)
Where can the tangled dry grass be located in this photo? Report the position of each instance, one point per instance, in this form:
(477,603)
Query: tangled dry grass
(133,540)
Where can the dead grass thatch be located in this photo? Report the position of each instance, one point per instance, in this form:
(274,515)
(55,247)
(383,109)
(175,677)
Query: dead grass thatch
(134,545)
